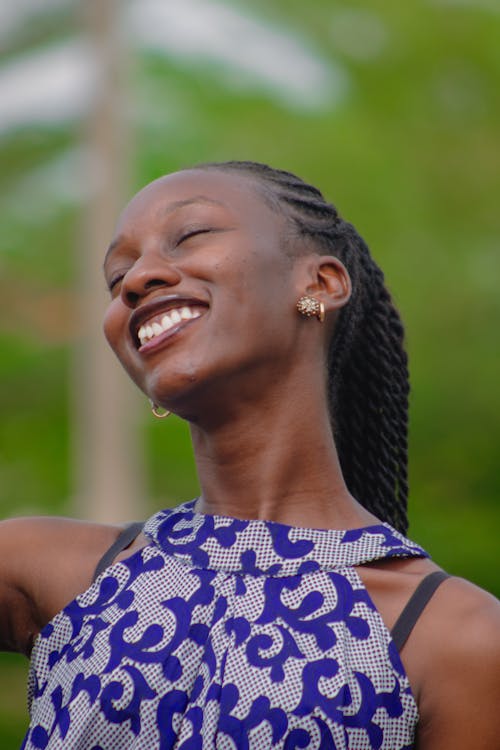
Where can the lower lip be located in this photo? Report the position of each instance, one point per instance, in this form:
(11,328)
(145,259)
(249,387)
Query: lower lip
(165,338)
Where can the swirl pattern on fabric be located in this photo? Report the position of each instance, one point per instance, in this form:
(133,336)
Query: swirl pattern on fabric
(223,633)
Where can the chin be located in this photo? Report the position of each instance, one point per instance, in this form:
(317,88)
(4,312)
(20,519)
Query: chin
(174,388)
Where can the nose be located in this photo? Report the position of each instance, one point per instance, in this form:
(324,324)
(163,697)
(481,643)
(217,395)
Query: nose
(147,273)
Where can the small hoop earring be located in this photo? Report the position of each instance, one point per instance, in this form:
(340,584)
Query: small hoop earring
(155,409)
(311,307)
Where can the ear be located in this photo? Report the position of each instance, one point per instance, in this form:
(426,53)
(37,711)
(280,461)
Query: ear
(331,284)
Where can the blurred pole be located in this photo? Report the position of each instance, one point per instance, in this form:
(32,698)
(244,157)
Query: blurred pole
(107,455)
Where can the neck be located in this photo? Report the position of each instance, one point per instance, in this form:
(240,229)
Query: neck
(277,464)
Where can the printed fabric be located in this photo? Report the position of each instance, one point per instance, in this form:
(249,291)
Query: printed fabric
(226,634)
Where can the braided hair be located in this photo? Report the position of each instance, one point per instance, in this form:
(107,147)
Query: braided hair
(367,381)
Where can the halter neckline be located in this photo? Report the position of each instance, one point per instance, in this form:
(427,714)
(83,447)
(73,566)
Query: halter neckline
(259,547)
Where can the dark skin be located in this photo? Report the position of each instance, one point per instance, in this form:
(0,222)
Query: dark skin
(211,241)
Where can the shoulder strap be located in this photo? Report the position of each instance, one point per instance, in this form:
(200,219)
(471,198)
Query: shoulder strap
(124,539)
(415,606)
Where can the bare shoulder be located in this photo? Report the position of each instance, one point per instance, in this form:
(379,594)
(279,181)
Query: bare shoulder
(458,640)
(44,563)
(466,610)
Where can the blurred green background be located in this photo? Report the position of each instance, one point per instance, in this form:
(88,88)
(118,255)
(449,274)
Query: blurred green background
(391,109)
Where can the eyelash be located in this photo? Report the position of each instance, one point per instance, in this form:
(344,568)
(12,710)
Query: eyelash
(192,233)
(115,281)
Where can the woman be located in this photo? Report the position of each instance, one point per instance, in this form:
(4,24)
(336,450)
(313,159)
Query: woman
(265,613)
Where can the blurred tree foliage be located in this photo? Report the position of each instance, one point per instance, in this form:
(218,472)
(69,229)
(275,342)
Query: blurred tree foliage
(405,142)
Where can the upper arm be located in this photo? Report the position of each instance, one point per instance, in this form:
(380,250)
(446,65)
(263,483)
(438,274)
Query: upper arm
(44,564)
(460,696)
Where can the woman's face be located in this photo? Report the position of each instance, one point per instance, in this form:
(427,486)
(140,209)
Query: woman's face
(203,295)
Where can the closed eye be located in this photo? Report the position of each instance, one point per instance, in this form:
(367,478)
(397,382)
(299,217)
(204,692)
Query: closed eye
(115,280)
(192,233)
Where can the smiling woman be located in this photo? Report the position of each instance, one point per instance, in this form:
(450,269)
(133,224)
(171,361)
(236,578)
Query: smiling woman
(284,607)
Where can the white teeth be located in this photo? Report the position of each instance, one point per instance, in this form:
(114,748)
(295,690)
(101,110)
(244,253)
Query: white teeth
(149,330)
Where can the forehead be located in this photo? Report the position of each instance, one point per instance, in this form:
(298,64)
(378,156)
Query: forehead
(240,195)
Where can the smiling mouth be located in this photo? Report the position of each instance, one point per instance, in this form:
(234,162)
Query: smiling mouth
(165,321)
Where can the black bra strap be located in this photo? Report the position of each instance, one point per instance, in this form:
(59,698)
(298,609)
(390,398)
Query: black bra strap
(124,539)
(415,606)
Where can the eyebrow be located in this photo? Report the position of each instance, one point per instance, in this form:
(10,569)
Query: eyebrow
(168,210)
(195,199)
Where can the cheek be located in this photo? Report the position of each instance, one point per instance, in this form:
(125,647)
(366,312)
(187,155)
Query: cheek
(259,277)
(113,325)
(257,317)
(268,292)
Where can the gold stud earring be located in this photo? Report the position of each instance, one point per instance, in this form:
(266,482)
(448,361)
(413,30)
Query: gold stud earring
(311,307)
(156,410)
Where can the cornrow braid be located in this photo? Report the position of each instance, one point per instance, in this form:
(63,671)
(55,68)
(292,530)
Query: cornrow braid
(368,382)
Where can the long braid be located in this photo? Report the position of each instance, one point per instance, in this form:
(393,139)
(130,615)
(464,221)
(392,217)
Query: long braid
(368,383)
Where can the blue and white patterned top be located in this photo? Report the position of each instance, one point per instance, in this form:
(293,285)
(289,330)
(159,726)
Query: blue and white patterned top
(226,634)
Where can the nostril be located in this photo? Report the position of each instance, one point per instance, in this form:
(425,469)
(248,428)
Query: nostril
(152,283)
(132,298)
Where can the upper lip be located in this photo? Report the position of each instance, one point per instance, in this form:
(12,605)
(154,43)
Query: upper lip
(159,304)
